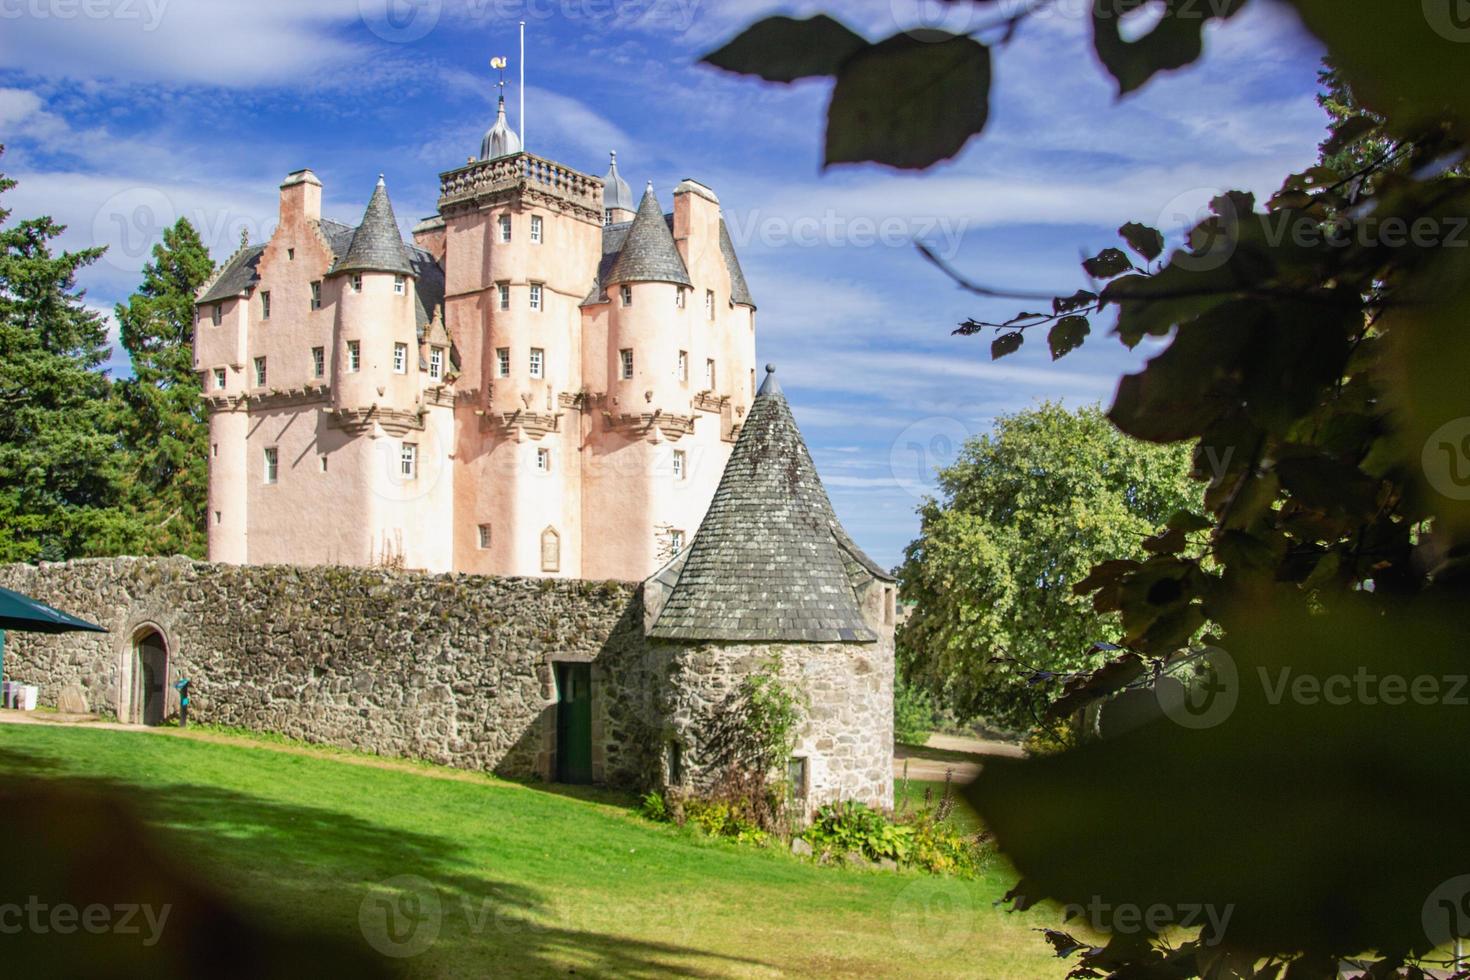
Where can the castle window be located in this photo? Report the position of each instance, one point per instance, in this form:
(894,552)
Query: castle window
(676,541)
(538,362)
(484,536)
(679,297)
(272,463)
(625,363)
(219,378)
(536,228)
(683,365)
(322,461)
(219,518)
(607,216)
(626,294)
(888,609)
(259,372)
(318,362)
(505,227)
(400,284)
(680,464)
(550,550)
(535,296)
(436,362)
(265,304)
(543,460)
(214,450)
(356,283)
(709,374)
(709,304)
(316,295)
(354,357)
(408,461)
(502,362)
(796,774)
(674,762)
(400,358)
(216,314)
(290,255)
(504,288)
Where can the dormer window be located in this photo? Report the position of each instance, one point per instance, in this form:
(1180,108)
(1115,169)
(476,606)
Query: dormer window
(536,228)
(400,284)
(626,294)
(436,363)
(505,227)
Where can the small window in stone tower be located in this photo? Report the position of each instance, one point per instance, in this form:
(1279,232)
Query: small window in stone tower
(625,293)
(796,774)
(535,296)
(400,358)
(679,297)
(680,465)
(219,378)
(536,228)
(436,363)
(272,464)
(674,763)
(683,365)
(550,550)
(709,304)
(408,461)
(354,357)
(625,363)
(316,295)
(543,460)
(290,255)
(505,227)
(400,284)
(214,450)
(357,283)
(260,372)
(484,536)
(219,517)
(216,314)
(538,362)
(709,374)
(504,289)
(318,362)
(676,541)
(502,362)
(321,461)
(265,304)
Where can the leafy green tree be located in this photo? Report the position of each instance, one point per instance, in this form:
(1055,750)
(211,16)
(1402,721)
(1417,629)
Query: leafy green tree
(167,432)
(1025,514)
(1315,348)
(59,452)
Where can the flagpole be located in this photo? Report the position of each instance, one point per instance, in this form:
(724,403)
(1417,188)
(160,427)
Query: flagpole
(523,86)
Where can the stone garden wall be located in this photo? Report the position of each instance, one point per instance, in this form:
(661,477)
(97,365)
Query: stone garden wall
(451,668)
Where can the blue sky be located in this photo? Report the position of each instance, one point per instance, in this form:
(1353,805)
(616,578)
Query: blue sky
(120,115)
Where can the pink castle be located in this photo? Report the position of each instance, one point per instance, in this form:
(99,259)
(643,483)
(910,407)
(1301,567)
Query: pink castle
(547,381)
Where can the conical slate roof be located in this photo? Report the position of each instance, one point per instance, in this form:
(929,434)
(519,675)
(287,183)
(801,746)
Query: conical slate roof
(649,253)
(767,564)
(377,245)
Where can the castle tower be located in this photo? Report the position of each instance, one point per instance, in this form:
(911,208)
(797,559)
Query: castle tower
(617,196)
(771,573)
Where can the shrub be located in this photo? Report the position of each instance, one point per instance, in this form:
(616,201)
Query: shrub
(914,716)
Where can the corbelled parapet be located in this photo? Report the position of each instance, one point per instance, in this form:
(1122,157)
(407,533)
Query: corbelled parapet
(521,175)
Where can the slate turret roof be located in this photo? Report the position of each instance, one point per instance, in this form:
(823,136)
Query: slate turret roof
(770,562)
(739,291)
(649,254)
(377,245)
(615,190)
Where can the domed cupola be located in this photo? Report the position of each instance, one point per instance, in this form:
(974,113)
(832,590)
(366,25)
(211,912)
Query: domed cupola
(617,196)
(500,140)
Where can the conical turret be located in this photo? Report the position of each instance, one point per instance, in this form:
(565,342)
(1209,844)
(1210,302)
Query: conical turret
(649,253)
(377,245)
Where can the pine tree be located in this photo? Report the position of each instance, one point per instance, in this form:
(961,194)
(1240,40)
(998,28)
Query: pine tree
(167,433)
(59,451)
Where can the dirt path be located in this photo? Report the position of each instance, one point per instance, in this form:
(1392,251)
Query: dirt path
(958,756)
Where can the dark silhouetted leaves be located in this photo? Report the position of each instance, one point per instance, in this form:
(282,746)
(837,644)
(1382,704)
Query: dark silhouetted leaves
(782,49)
(1079,299)
(909,101)
(1146,241)
(1174,42)
(1108,263)
(1067,335)
(1006,343)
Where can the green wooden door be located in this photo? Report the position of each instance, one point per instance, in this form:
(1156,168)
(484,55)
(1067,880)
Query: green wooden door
(574,723)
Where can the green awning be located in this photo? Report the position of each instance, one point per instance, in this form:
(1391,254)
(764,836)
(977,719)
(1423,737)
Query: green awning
(23,614)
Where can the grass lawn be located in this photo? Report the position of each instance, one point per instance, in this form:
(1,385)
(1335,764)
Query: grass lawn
(530,881)
(964,815)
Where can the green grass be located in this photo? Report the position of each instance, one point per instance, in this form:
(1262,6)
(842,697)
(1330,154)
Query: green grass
(531,881)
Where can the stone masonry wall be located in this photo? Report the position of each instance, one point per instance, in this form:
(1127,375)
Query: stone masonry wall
(451,668)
